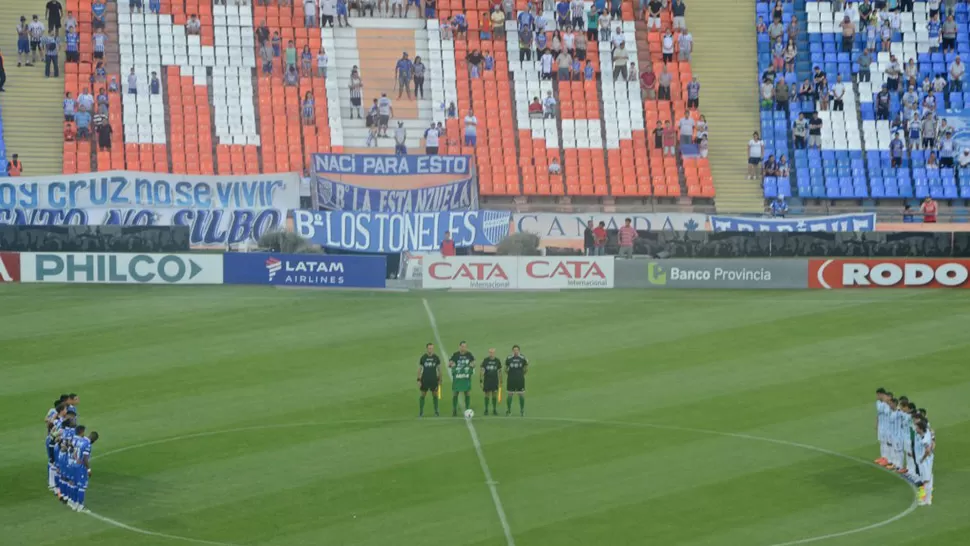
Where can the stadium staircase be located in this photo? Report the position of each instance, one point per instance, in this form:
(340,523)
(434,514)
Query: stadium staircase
(32,104)
(374,45)
(723,34)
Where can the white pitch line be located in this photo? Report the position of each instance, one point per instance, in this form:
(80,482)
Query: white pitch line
(146,532)
(496,500)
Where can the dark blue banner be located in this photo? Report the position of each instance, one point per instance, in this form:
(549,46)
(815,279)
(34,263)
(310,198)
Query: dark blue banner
(305,270)
(393,233)
(388,183)
(840,222)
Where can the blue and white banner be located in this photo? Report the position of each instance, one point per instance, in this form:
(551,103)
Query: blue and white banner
(839,222)
(220,210)
(305,270)
(393,233)
(387,183)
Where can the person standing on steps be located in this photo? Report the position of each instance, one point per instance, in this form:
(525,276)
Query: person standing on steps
(385,110)
(402,73)
(356,92)
(14,166)
(72,39)
(53,13)
(419,72)
(36,29)
(50,56)
(23,42)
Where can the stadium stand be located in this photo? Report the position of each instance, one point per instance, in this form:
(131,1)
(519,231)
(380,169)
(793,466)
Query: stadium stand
(855,157)
(216,111)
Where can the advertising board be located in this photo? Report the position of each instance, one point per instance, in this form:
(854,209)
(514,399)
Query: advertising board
(713,273)
(837,223)
(889,273)
(111,268)
(565,230)
(523,272)
(305,270)
(9,267)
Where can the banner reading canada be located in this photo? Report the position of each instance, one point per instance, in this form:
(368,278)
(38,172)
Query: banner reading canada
(526,273)
(889,273)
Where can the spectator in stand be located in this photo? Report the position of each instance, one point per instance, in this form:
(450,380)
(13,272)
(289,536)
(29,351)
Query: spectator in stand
(620,59)
(658,136)
(103,101)
(592,24)
(328,11)
(471,129)
(838,94)
(679,10)
(564,64)
(310,13)
(702,147)
(72,39)
(790,55)
(268,58)
(648,83)
(588,239)
(403,71)
(385,110)
(667,47)
(23,43)
(83,120)
(50,56)
(686,127)
(760,27)
(367,7)
(419,70)
(70,21)
(70,107)
(957,71)
(928,208)
(815,131)
(767,94)
(98,11)
(262,33)
(14,166)
(289,58)
(70,134)
(113,85)
(36,29)
(618,38)
(535,108)
(694,93)
(599,239)
(588,73)
(155,6)
(569,42)
(554,167)
(308,109)
(896,151)
(342,11)
(775,30)
(779,208)
(670,140)
(947,150)
(549,106)
(949,34)
(3,74)
(135,6)
(104,136)
(322,61)
(306,61)
(848,34)
(605,21)
(99,39)
(545,65)
(782,95)
(497,18)
(627,236)
(85,101)
(155,85)
(576,12)
(193,26)
(664,81)
(800,131)
(783,167)
(132,82)
(581,46)
(431,140)
(770,166)
(448,245)
(685,45)
(653,7)
(452,111)
(291,78)
(474,61)
(864,61)
(700,131)
(778,56)
(882,103)
(756,152)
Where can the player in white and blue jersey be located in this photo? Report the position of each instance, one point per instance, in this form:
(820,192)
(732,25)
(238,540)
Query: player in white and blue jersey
(65,441)
(82,467)
(882,410)
(925,450)
(903,424)
(55,416)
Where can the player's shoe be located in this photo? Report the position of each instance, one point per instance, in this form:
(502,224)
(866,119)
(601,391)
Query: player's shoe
(881,461)
(508,413)
(901,471)
(454,413)
(494,412)
(79,508)
(436,414)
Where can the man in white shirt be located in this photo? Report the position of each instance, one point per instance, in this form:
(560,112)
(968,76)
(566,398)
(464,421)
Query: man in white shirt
(838,94)
(471,129)
(618,38)
(193,25)
(667,47)
(546,64)
(924,452)
(964,160)
(554,167)
(881,410)
(384,112)
(756,151)
(549,106)
(957,70)
(431,140)
(310,13)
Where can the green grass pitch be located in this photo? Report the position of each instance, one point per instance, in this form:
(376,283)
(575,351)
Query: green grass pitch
(259,416)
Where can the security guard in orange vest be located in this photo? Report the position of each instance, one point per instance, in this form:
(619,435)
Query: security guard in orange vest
(14,166)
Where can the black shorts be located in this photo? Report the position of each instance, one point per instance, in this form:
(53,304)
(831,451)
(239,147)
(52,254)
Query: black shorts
(515,385)
(355,101)
(490,385)
(754,161)
(427,385)
(34,46)
(53,24)
(99,54)
(383,120)
(431,150)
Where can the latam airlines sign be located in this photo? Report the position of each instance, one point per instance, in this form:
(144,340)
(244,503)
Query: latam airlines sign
(526,273)
(889,273)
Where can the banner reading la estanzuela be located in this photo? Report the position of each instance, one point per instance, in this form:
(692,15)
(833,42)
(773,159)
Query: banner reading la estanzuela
(220,210)
(839,222)
(393,233)
(387,183)
(305,270)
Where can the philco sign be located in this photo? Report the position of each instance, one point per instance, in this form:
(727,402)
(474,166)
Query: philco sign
(892,273)
(109,268)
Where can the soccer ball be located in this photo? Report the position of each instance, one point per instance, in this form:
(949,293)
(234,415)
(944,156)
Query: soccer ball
(469,413)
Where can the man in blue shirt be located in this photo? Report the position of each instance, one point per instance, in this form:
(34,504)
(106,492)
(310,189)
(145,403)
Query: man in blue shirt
(98,9)
(896,149)
(779,208)
(81,466)
(402,71)
(73,40)
(525,18)
(83,120)
(50,45)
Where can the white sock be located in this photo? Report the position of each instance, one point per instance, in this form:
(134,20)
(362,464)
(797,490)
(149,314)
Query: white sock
(882,450)
(50,476)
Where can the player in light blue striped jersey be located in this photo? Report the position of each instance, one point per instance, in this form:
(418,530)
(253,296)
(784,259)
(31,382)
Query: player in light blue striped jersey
(55,416)
(80,467)
(65,441)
